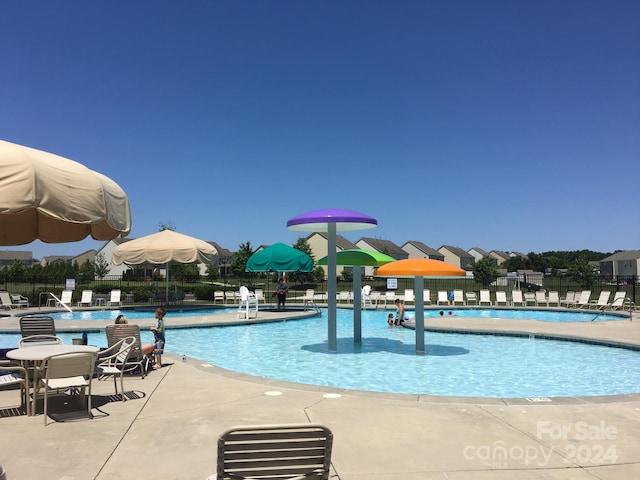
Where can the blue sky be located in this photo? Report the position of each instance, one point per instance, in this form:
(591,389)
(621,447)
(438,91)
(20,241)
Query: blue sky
(494,124)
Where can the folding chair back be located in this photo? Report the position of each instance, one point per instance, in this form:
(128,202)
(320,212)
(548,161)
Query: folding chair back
(293,451)
(37,325)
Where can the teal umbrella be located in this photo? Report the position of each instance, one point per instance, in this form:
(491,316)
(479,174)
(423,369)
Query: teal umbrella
(279,258)
(357,258)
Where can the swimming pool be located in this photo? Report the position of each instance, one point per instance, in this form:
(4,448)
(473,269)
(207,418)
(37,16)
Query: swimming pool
(456,364)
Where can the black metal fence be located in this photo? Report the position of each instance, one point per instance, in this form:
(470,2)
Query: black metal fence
(194,288)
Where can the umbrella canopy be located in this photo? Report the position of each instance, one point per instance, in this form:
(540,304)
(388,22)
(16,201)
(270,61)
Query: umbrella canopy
(354,257)
(358,258)
(53,199)
(279,258)
(419,268)
(165,247)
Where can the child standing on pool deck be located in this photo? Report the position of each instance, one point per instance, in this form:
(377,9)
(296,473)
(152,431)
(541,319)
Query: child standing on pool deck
(158,333)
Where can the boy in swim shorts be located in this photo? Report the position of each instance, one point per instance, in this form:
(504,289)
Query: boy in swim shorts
(158,333)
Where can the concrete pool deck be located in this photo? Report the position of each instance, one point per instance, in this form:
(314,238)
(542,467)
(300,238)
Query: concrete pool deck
(168,427)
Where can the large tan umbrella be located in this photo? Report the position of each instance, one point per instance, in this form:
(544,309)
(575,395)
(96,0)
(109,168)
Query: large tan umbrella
(53,199)
(165,247)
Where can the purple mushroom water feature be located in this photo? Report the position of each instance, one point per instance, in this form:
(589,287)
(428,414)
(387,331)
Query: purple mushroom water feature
(331,221)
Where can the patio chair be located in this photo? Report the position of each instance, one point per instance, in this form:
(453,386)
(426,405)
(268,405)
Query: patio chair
(112,362)
(618,301)
(426,296)
(569,299)
(541,298)
(66,371)
(458,297)
(86,299)
(443,298)
(259,293)
(6,302)
(554,298)
(389,296)
(115,297)
(19,301)
(485,298)
(501,298)
(529,298)
(230,296)
(37,325)
(308,300)
(472,298)
(37,340)
(516,298)
(409,296)
(343,297)
(284,452)
(603,300)
(248,303)
(218,295)
(11,375)
(584,300)
(136,359)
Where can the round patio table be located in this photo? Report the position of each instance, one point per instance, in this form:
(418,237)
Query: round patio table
(38,353)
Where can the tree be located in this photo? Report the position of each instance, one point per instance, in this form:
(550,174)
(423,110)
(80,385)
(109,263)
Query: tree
(239,262)
(87,270)
(582,273)
(101,266)
(302,277)
(485,271)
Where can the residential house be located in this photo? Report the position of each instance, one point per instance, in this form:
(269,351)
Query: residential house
(53,259)
(500,257)
(319,242)
(382,246)
(224,260)
(478,254)
(417,249)
(624,263)
(8,257)
(456,256)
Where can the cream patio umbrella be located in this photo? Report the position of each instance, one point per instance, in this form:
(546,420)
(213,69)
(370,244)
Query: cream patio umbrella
(166,247)
(53,199)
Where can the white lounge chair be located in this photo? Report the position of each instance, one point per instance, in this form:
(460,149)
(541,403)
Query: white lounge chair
(389,296)
(485,298)
(409,297)
(472,298)
(516,298)
(259,293)
(114,298)
(541,298)
(6,301)
(443,297)
(218,295)
(569,299)
(602,301)
(529,298)
(86,299)
(426,296)
(583,301)
(618,301)
(501,298)
(458,297)
(554,298)
(248,304)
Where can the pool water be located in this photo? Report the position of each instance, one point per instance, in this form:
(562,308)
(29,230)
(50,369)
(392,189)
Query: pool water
(455,364)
